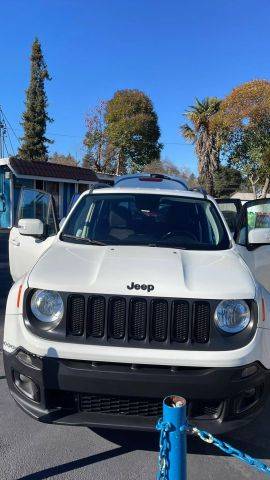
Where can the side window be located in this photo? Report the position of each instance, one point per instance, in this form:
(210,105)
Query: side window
(37,204)
(230,210)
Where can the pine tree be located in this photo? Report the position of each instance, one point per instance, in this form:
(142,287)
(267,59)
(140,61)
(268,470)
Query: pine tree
(35,117)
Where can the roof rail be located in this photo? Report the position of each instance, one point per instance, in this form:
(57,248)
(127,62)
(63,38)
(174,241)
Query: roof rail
(200,190)
(97,186)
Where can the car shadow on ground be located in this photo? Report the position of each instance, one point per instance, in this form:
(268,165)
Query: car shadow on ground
(254,439)
(75,464)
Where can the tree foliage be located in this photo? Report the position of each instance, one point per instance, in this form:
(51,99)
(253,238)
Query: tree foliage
(99,153)
(246,106)
(227,181)
(132,129)
(35,117)
(244,118)
(206,139)
(63,159)
(167,167)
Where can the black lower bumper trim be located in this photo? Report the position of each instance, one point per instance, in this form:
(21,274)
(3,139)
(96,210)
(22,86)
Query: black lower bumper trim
(123,396)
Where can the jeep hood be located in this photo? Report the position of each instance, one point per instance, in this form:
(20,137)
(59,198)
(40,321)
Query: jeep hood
(173,273)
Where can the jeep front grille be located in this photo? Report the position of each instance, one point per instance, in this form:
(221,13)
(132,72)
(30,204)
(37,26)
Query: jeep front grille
(138,321)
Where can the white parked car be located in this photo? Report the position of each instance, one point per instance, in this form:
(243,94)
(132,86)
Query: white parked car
(142,293)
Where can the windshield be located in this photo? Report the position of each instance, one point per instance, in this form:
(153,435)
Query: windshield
(143,219)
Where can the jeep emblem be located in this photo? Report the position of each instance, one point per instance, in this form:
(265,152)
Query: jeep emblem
(137,286)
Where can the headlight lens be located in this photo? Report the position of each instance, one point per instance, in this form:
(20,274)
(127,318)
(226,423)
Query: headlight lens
(47,306)
(232,316)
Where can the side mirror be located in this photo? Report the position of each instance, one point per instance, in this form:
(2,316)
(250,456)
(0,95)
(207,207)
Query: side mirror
(259,236)
(31,226)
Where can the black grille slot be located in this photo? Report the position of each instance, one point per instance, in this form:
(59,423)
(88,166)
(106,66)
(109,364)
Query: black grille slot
(207,409)
(75,315)
(145,407)
(201,322)
(138,319)
(159,323)
(180,321)
(117,317)
(96,316)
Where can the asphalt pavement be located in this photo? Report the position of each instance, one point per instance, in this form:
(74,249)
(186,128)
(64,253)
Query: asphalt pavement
(30,450)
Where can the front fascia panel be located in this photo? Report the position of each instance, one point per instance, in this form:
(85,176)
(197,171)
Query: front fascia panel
(217,340)
(17,335)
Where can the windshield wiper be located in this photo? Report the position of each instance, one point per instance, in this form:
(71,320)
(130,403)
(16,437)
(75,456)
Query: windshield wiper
(165,245)
(89,241)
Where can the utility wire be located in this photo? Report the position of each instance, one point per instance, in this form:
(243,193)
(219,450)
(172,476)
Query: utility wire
(71,136)
(79,136)
(5,147)
(56,134)
(9,124)
(10,142)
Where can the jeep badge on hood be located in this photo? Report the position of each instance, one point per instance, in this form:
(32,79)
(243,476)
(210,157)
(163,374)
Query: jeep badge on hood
(137,286)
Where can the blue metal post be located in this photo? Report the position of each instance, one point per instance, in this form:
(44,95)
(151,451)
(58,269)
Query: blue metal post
(174,412)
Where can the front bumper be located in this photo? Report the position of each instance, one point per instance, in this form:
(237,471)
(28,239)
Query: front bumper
(114,395)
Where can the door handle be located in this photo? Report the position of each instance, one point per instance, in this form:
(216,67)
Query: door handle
(15,242)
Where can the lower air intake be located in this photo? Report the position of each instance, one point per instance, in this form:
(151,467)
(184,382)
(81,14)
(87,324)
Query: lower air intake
(120,405)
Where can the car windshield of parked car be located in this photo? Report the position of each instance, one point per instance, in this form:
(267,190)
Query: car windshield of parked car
(143,219)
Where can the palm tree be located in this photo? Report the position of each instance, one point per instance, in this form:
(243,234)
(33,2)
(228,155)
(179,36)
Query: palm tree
(206,140)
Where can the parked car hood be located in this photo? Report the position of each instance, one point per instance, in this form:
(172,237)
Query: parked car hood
(173,273)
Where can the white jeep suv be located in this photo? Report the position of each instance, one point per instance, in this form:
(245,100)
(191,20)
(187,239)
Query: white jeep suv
(142,293)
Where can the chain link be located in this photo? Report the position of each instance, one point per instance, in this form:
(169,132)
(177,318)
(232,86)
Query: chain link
(229,450)
(206,437)
(164,428)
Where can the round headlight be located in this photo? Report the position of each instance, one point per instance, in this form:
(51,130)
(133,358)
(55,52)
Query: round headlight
(47,306)
(232,316)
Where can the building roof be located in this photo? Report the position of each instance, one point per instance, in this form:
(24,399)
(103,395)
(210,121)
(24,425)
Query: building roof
(30,168)
(245,196)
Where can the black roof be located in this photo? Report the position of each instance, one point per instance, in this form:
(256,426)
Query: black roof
(51,170)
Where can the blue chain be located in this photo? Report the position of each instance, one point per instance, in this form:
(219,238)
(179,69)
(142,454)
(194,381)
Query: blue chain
(228,449)
(164,428)
(207,437)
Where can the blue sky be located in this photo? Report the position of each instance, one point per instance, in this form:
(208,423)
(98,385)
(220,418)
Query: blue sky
(173,50)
